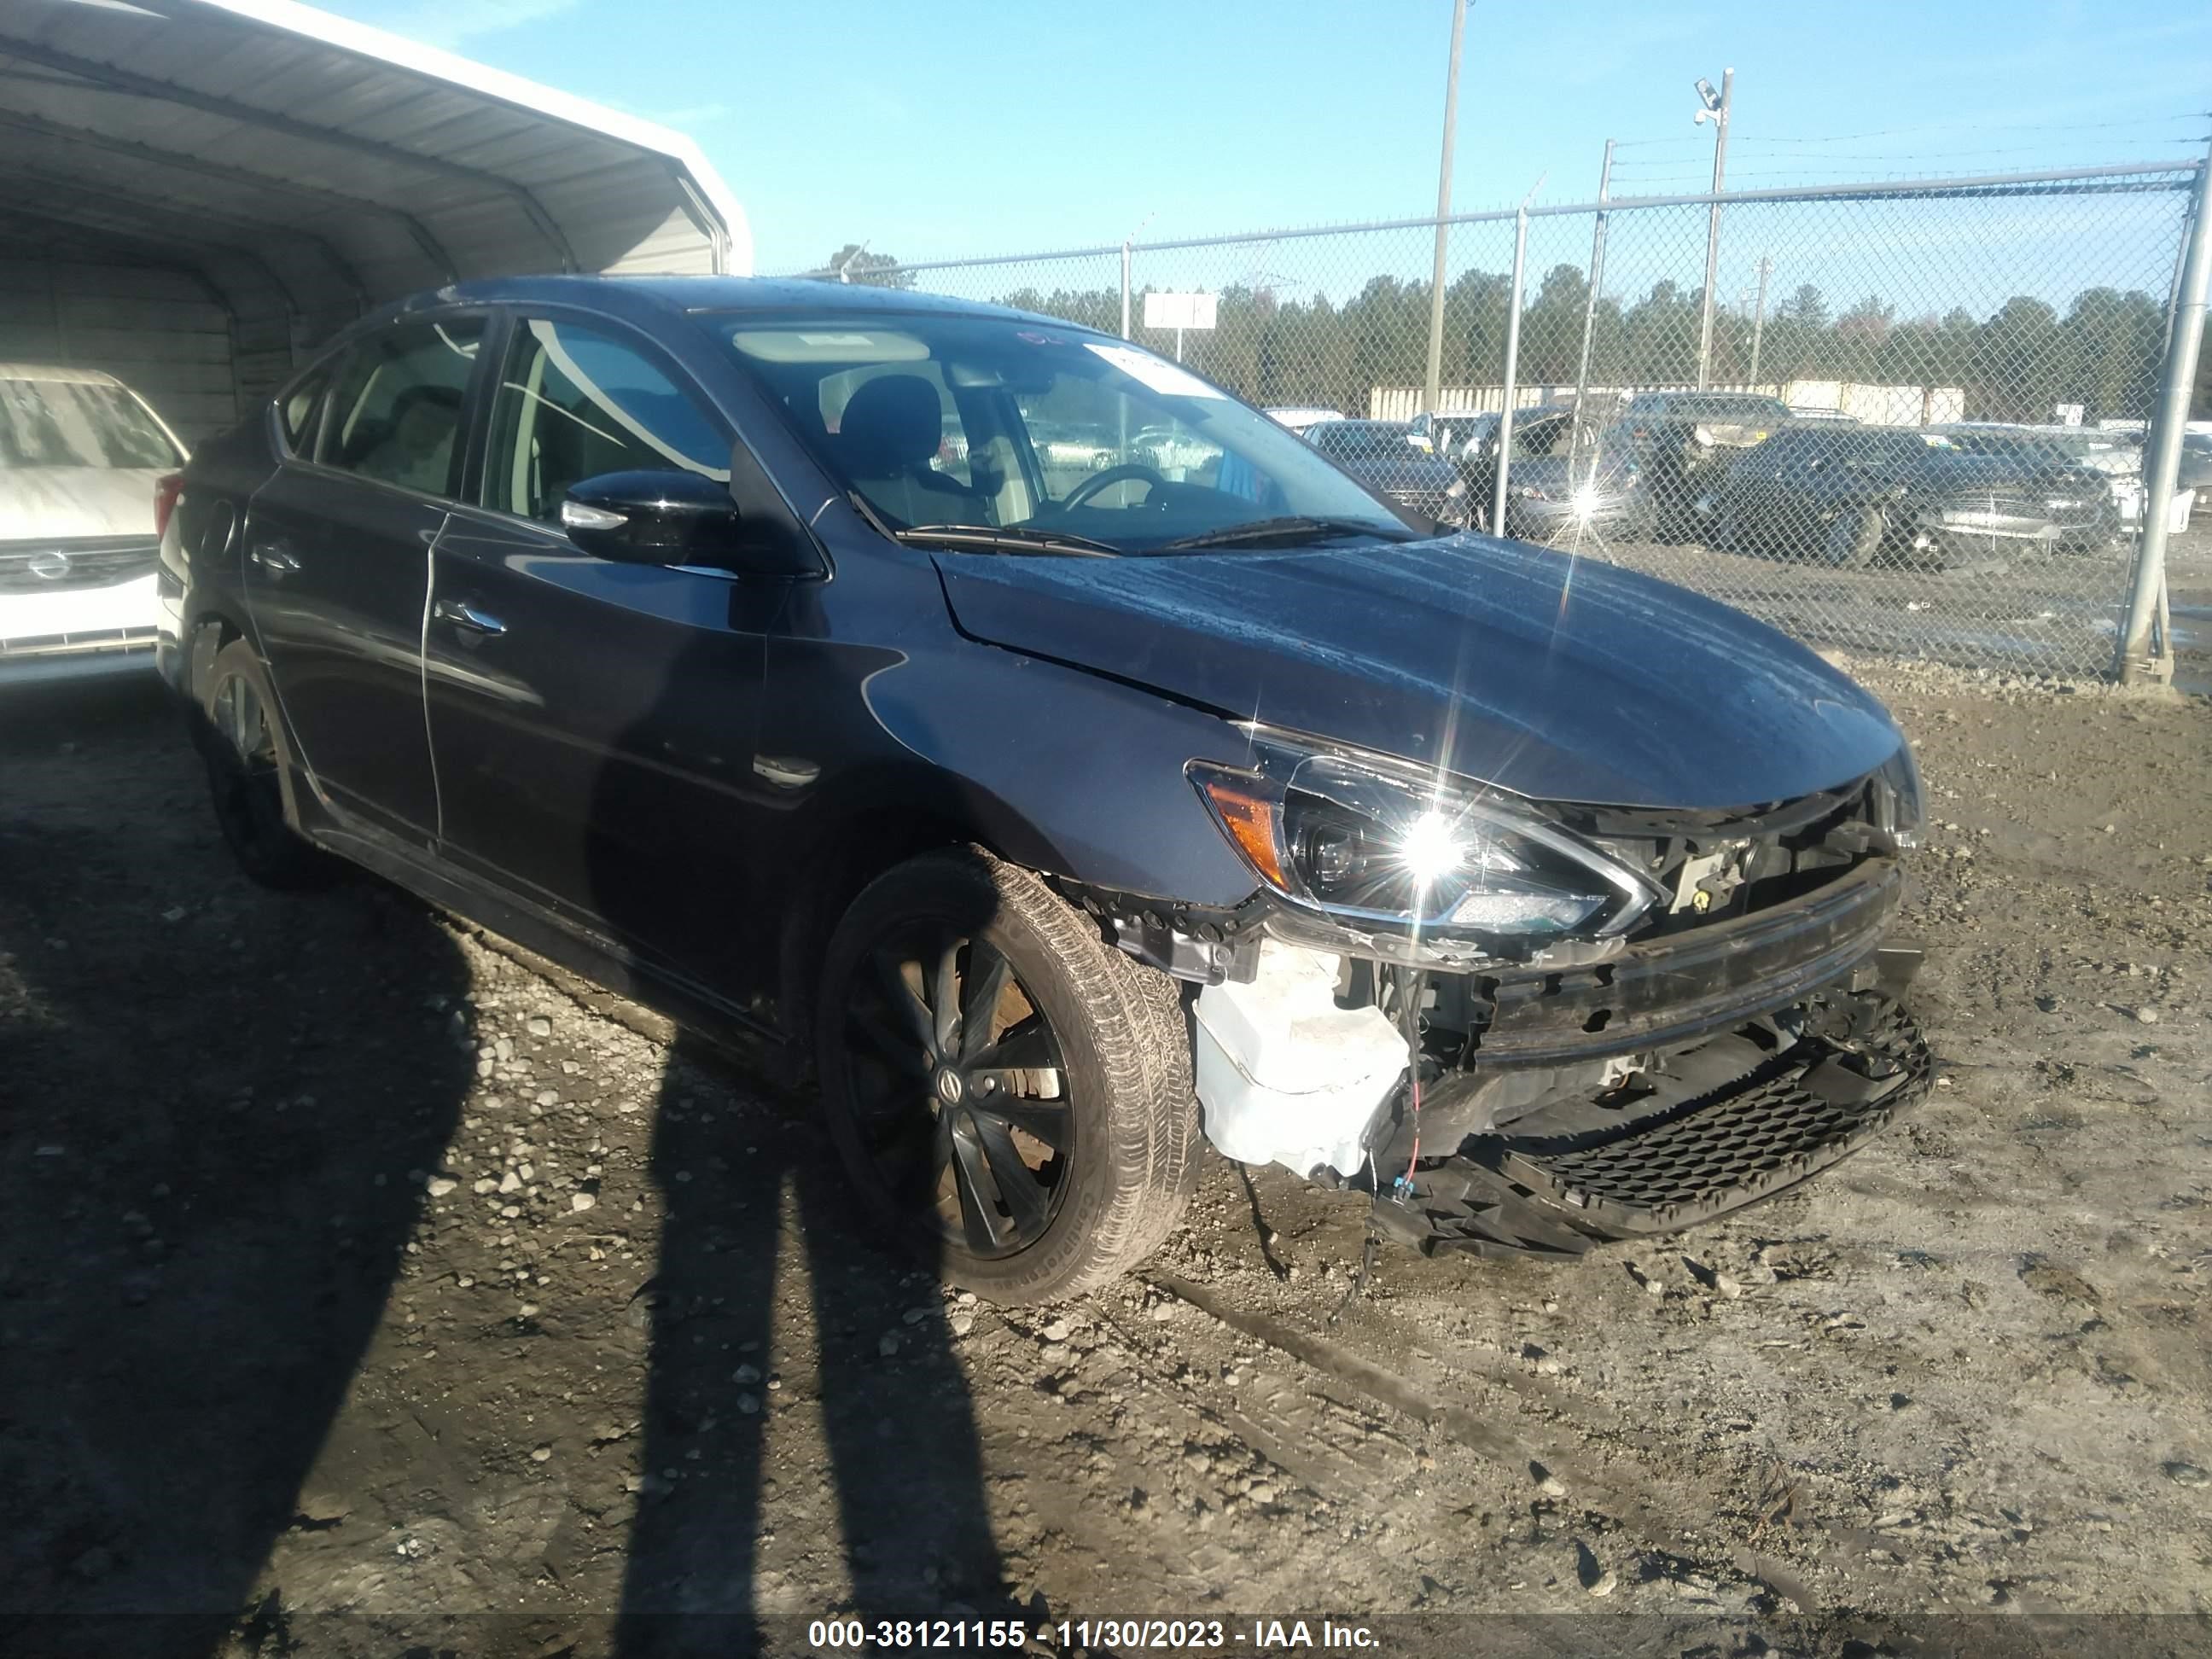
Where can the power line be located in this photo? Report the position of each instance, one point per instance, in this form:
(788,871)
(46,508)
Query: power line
(2006,126)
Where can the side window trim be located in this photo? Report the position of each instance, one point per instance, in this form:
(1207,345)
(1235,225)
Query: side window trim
(320,373)
(513,330)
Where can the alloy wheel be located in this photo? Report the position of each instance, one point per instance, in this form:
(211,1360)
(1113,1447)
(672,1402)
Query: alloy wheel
(960,1089)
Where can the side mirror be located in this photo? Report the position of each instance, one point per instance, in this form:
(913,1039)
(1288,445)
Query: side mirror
(652,517)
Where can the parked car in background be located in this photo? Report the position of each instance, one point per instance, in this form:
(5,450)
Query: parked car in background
(1450,434)
(2118,456)
(2195,471)
(1065,448)
(1377,453)
(1851,496)
(82,461)
(1300,419)
(1175,451)
(1683,442)
(1802,412)
(641,621)
(1557,493)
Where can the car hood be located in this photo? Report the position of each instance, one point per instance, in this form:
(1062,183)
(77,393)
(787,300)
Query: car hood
(59,503)
(1952,475)
(1552,678)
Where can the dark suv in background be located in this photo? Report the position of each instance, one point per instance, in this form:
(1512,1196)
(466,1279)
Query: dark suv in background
(1850,496)
(1385,457)
(1683,441)
(735,642)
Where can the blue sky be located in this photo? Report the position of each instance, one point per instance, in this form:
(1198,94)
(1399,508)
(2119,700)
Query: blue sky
(944,128)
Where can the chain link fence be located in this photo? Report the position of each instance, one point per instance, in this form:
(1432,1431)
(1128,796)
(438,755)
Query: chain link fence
(1909,417)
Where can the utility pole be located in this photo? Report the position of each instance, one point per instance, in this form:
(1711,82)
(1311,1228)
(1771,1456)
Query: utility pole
(1430,387)
(1589,312)
(1715,110)
(1759,316)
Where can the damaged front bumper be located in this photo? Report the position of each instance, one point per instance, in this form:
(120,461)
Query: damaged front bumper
(1732,1120)
(1673,1080)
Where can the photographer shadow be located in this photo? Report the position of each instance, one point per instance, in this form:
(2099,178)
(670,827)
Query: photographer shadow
(220,1106)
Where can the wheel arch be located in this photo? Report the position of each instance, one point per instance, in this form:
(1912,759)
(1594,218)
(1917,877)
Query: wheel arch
(885,825)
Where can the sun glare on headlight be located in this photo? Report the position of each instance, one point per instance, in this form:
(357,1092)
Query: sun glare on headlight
(1431,848)
(1370,838)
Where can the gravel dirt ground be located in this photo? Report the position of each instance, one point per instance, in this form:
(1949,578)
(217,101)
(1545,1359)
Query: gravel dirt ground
(347,1265)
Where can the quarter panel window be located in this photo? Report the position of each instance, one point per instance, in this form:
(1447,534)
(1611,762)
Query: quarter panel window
(574,401)
(299,412)
(396,408)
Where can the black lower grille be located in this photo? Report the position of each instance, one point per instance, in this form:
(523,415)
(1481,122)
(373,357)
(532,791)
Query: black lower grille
(63,566)
(1755,1136)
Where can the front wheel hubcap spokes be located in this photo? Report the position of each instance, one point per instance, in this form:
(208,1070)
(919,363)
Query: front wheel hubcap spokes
(983,1085)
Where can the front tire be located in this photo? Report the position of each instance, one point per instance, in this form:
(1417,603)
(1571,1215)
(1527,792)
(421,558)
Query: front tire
(236,730)
(1854,539)
(1009,1095)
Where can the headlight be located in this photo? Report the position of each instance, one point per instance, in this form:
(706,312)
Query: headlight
(1897,797)
(1374,839)
(1530,493)
(1458,488)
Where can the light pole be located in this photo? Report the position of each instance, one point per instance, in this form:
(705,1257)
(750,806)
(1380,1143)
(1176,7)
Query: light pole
(1430,387)
(1715,110)
(1759,317)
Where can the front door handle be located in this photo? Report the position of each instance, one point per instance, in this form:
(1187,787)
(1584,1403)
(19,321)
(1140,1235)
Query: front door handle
(462,614)
(275,557)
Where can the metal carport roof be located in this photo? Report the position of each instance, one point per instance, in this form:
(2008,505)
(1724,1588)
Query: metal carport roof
(300,167)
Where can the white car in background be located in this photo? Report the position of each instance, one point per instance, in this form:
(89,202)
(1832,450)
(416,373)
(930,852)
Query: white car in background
(81,457)
(1303,421)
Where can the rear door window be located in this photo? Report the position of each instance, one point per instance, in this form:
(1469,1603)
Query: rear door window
(396,408)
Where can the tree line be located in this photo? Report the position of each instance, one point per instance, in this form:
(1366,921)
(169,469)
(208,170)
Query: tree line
(2017,363)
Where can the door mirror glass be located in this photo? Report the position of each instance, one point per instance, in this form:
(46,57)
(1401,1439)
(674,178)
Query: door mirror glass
(653,518)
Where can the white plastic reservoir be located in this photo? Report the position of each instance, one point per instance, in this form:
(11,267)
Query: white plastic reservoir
(1285,1076)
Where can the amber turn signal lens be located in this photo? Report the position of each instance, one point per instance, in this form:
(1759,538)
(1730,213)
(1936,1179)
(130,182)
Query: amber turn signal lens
(1250,821)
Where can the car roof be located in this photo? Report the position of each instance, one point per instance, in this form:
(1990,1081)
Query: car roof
(704,295)
(1706,397)
(626,297)
(61,374)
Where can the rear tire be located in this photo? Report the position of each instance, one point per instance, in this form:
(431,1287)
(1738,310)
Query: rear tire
(1057,1169)
(238,732)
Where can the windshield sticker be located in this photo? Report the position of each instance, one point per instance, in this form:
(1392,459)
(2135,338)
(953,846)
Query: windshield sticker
(1156,372)
(863,340)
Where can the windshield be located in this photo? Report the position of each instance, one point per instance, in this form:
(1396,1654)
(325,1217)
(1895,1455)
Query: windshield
(78,424)
(1040,429)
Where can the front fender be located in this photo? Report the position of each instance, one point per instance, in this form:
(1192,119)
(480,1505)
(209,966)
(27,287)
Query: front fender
(1070,773)
(1064,772)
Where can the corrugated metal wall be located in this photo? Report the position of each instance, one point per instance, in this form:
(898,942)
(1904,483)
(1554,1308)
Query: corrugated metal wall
(161,331)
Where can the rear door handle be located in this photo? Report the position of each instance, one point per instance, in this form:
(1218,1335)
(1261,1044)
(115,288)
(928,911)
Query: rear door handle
(275,556)
(462,614)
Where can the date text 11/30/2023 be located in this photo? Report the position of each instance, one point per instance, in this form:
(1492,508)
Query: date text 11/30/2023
(1255,1636)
